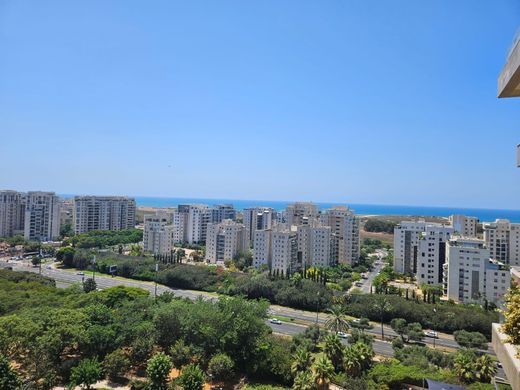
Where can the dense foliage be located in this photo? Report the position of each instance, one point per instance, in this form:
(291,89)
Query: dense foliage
(512,315)
(380,226)
(105,238)
(446,317)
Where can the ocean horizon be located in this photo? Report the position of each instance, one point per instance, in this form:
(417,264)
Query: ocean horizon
(482,214)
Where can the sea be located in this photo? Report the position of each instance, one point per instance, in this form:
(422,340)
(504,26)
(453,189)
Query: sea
(359,208)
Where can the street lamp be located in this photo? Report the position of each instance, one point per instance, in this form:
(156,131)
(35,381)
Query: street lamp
(433,324)
(94,270)
(317,307)
(155,279)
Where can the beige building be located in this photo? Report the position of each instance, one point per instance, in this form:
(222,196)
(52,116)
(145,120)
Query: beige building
(300,213)
(345,238)
(224,240)
(190,223)
(277,248)
(503,241)
(158,233)
(103,213)
(42,216)
(12,213)
(470,275)
(314,245)
(465,226)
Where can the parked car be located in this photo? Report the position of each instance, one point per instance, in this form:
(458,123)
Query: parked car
(275,321)
(80,273)
(343,335)
(432,334)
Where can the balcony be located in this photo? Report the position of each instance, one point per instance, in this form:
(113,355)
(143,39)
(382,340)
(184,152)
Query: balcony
(506,354)
(509,78)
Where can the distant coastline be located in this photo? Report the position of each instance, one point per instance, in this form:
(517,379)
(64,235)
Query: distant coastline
(364,209)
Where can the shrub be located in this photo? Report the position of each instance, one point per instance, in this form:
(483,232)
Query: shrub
(191,378)
(221,367)
(116,364)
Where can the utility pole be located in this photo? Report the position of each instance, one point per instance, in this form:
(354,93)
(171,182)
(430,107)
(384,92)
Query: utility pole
(433,322)
(40,255)
(317,307)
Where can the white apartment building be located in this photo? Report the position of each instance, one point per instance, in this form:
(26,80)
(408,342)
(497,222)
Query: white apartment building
(12,213)
(257,218)
(470,275)
(224,240)
(284,250)
(406,243)
(300,213)
(158,233)
(42,216)
(190,223)
(262,248)
(431,254)
(503,241)
(314,245)
(277,248)
(103,213)
(345,238)
(465,226)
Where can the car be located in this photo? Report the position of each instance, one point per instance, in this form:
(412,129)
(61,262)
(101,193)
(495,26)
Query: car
(48,267)
(432,334)
(364,277)
(81,273)
(343,335)
(358,284)
(275,321)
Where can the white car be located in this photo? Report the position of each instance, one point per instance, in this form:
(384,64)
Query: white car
(343,335)
(275,321)
(432,334)
(80,273)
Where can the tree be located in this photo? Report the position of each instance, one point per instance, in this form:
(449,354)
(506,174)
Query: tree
(470,339)
(66,256)
(337,321)
(157,370)
(358,359)
(180,353)
(464,366)
(323,372)
(302,360)
(303,381)
(9,379)
(511,325)
(116,364)
(220,367)
(35,260)
(192,378)
(382,306)
(360,336)
(399,325)
(86,373)
(89,285)
(485,368)
(333,349)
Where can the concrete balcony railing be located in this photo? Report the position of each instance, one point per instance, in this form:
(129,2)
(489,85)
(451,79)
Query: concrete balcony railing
(506,353)
(509,78)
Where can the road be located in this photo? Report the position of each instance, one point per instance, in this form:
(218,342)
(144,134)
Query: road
(66,278)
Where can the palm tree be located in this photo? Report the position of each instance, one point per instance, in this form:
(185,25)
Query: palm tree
(323,372)
(382,306)
(358,358)
(302,360)
(334,350)
(337,321)
(303,381)
(485,368)
(464,366)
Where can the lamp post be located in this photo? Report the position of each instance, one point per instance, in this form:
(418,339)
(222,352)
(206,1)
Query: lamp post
(40,256)
(317,307)
(433,323)
(155,279)
(94,269)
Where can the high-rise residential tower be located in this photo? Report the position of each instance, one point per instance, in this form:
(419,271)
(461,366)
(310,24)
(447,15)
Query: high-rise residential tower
(103,213)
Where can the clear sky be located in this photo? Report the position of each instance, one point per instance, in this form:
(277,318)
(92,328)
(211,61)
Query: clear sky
(390,102)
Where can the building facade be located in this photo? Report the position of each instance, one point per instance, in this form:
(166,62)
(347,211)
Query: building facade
(158,233)
(12,213)
(470,275)
(463,225)
(103,213)
(431,254)
(503,241)
(300,213)
(257,218)
(345,237)
(224,240)
(42,216)
(221,212)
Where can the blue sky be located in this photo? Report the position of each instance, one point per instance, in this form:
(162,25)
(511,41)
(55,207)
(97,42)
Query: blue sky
(390,102)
